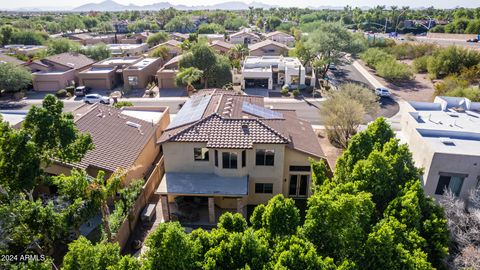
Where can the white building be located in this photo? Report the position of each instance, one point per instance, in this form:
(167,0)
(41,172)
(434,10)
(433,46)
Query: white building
(444,137)
(268,71)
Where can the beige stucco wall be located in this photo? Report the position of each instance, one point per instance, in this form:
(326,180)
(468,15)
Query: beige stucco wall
(97,81)
(166,78)
(145,75)
(52,81)
(179,158)
(269,50)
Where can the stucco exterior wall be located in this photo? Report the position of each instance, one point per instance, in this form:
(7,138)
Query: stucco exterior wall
(269,50)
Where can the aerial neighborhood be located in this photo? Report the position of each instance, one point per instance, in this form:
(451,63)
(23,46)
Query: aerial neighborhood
(239,136)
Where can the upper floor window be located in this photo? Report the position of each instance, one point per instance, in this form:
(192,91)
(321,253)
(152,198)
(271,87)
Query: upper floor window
(264,157)
(200,154)
(229,160)
(266,188)
(452,182)
(244,158)
(216,158)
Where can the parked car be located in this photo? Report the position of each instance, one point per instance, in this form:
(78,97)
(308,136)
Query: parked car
(94,98)
(81,91)
(475,40)
(382,92)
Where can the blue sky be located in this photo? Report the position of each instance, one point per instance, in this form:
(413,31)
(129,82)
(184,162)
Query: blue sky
(7,4)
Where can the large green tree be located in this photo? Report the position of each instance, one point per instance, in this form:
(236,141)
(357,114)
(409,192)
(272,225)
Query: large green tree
(14,78)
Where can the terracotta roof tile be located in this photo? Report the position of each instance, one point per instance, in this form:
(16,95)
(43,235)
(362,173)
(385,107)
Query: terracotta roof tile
(73,60)
(117,144)
(267,42)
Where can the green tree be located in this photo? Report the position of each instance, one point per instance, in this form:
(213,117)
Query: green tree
(62,45)
(157,38)
(338,220)
(187,76)
(14,78)
(281,216)
(161,52)
(181,24)
(211,28)
(232,222)
(256,217)
(168,248)
(6,32)
(29,37)
(83,255)
(329,43)
(320,172)
(54,133)
(97,52)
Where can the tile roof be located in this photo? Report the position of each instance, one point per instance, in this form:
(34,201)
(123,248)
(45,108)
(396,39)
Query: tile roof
(238,129)
(73,60)
(267,42)
(222,43)
(243,32)
(277,33)
(117,144)
(171,42)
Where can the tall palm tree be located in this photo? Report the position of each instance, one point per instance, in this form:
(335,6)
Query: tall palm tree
(101,190)
(186,77)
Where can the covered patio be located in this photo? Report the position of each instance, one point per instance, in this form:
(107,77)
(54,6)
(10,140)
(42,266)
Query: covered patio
(200,198)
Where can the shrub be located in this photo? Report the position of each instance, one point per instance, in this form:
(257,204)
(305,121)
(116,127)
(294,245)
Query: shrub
(284,91)
(411,51)
(373,56)
(420,65)
(451,60)
(392,70)
(296,93)
(61,93)
(448,84)
(70,89)
(472,93)
(14,78)
(122,104)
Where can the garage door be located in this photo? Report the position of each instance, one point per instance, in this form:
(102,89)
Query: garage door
(47,86)
(98,84)
(256,83)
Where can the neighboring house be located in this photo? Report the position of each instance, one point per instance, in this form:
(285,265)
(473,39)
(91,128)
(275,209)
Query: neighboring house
(268,48)
(123,138)
(212,37)
(444,138)
(127,49)
(173,46)
(136,38)
(135,72)
(14,118)
(221,47)
(244,37)
(281,37)
(270,71)
(58,71)
(166,75)
(231,151)
(178,36)
(26,50)
(87,39)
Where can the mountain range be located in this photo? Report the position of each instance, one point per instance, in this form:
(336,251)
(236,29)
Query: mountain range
(110,5)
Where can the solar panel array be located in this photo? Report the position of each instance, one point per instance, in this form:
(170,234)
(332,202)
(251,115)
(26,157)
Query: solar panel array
(191,111)
(260,111)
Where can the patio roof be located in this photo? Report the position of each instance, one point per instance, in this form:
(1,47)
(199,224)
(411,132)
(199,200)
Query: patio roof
(174,183)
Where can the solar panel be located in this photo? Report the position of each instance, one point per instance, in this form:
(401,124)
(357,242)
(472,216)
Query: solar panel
(260,111)
(191,111)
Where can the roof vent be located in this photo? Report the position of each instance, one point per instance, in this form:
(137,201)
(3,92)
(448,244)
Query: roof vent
(132,124)
(447,141)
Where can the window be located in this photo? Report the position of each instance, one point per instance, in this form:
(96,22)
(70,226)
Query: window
(229,160)
(298,185)
(244,158)
(200,154)
(451,182)
(264,157)
(133,80)
(264,188)
(299,168)
(216,158)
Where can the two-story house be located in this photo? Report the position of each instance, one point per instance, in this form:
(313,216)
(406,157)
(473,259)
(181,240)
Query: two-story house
(234,151)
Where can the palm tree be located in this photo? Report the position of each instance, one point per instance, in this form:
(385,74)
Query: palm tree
(101,190)
(238,52)
(188,76)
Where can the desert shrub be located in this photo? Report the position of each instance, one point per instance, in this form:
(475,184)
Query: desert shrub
(284,91)
(420,65)
(448,84)
(472,93)
(70,89)
(451,60)
(61,93)
(411,51)
(393,70)
(296,93)
(373,56)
